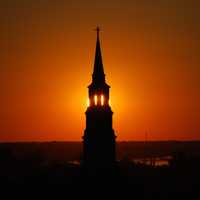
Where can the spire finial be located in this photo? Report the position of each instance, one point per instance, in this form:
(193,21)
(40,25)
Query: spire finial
(97,29)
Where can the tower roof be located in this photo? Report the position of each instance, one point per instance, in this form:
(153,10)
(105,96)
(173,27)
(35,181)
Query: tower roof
(98,75)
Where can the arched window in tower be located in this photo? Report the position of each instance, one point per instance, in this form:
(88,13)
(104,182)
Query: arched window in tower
(95,100)
(88,102)
(102,100)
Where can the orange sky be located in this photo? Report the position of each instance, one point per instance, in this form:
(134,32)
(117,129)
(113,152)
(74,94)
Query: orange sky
(151,60)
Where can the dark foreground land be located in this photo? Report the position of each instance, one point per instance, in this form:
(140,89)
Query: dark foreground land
(153,170)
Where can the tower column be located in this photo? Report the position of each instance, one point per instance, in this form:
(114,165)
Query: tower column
(99,137)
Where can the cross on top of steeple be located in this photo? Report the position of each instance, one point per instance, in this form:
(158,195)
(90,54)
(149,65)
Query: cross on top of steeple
(97,29)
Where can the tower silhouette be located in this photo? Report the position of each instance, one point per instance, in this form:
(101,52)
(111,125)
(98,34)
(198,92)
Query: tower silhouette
(99,136)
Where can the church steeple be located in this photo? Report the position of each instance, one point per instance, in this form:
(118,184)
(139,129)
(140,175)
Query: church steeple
(99,136)
(98,76)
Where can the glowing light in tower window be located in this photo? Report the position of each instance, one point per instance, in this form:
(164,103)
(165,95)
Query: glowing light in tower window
(102,100)
(95,100)
(88,102)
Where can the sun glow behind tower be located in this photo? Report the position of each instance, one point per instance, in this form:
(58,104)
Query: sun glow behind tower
(154,86)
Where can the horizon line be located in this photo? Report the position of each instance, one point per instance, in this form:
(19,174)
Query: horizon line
(79,141)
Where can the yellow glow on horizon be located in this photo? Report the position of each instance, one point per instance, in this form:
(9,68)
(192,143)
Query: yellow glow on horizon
(50,102)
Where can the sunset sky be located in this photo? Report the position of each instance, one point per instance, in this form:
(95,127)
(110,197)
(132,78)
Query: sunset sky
(151,55)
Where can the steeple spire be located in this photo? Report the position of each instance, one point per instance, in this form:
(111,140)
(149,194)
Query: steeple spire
(98,75)
(99,136)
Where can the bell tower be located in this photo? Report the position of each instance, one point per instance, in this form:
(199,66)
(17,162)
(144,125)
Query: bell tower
(99,136)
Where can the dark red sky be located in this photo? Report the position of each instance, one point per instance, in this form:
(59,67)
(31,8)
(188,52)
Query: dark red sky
(151,52)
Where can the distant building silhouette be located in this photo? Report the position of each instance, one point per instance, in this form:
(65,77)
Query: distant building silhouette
(99,137)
